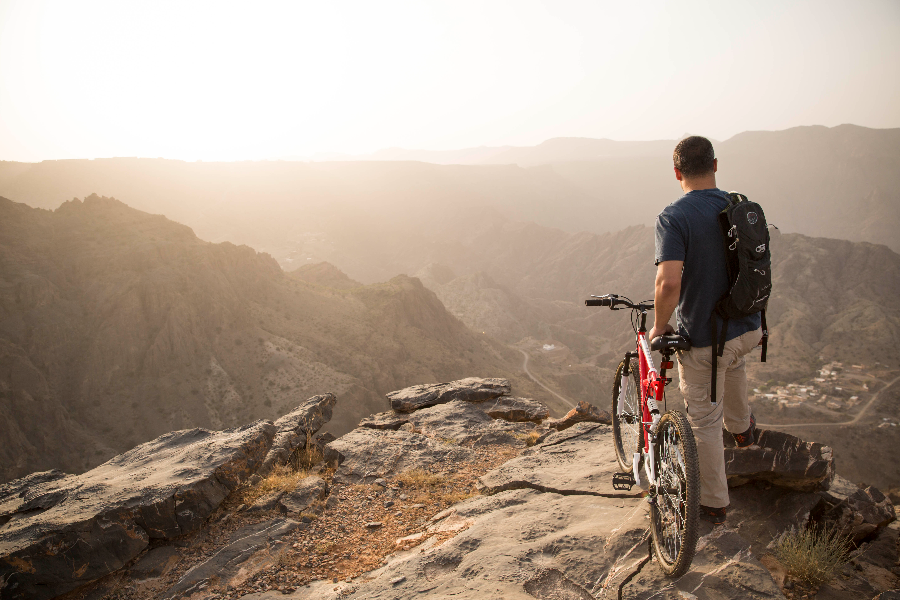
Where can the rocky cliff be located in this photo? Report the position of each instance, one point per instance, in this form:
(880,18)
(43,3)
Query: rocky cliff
(460,490)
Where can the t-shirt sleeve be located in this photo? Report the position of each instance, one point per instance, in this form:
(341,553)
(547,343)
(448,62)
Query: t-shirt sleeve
(669,238)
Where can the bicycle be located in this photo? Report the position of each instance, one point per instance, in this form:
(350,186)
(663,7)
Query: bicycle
(663,444)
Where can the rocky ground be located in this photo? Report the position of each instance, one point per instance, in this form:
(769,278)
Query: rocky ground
(459,491)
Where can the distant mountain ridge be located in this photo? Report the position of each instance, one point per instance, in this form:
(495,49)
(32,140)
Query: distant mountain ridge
(840,182)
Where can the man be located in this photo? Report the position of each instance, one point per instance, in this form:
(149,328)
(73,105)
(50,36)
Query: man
(691,277)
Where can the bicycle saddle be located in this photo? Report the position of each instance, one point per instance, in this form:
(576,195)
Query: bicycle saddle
(669,342)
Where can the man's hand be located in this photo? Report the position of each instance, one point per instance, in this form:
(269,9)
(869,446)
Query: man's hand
(654,332)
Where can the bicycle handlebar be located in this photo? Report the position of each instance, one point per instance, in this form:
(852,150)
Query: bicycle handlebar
(613,302)
(598,302)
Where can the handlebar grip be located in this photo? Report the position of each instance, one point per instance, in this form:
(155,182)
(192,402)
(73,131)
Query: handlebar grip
(598,302)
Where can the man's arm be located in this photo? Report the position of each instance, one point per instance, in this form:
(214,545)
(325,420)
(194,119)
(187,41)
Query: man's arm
(666,295)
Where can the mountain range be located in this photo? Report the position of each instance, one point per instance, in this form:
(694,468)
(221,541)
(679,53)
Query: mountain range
(117,326)
(840,182)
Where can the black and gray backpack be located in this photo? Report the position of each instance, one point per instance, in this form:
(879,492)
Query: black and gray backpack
(745,235)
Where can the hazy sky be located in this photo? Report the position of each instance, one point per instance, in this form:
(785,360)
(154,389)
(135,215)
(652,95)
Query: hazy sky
(250,80)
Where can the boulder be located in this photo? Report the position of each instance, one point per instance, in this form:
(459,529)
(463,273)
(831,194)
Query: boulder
(782,459)
(583,412)
(296,429)
(308,491)
(472,389)
(859,513)
(60,532)
(516,409)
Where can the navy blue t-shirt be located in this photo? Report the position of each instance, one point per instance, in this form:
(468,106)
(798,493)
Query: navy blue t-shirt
(688,230)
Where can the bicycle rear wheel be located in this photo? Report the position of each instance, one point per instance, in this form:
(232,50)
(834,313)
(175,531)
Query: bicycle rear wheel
(626,419)
(674,513)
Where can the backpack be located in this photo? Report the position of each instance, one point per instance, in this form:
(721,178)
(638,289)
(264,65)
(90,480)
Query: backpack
(745,236)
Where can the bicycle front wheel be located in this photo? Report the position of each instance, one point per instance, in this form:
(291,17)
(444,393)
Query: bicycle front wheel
(626,414)
(674,513)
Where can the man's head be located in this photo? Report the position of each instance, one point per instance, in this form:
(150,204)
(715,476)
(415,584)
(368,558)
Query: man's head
(695,163)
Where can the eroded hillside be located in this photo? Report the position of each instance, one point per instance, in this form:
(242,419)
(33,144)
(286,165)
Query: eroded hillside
(117,326)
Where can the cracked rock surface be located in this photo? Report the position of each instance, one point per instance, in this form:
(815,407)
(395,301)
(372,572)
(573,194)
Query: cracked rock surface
(59,531)
(541,530)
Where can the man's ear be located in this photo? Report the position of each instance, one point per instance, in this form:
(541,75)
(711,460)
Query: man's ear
(678,174)
(715,165)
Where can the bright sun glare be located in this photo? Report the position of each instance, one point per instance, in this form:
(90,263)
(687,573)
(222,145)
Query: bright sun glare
(232,81)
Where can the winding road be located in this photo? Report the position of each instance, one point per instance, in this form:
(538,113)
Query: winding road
(852,421)
(535,379)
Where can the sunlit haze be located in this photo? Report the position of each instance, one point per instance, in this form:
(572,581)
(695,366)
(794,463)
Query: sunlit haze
(234,81)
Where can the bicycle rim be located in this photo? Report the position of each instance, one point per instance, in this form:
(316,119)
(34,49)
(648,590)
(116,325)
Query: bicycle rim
(627,425)
(674,512)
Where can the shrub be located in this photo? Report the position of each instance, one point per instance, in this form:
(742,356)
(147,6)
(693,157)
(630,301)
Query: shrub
(814,553)
(419,478)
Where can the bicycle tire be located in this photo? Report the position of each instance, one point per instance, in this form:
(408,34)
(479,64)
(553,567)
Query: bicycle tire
(674,513)
(627,434)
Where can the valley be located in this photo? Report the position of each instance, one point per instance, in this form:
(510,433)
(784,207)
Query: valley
(368,276)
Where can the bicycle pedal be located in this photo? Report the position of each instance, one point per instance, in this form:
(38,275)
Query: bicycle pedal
(623,481)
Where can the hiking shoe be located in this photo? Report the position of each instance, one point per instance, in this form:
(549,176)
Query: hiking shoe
(748,438)
(716,516)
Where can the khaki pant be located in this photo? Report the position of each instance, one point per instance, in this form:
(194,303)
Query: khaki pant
(695,371)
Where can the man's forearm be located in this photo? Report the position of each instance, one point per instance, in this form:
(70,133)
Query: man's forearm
(665,302)
(667,292)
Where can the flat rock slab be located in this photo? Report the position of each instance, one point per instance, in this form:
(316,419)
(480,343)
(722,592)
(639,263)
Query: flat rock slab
(524,544)
(583,412)
(64,532)
(472,389)
(579,461)
(225,563)
(464,422)
(367,454)
(782,459)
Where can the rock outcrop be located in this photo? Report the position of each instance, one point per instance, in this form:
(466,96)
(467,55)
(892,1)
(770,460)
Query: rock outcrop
(296,429)
(858,513)
(60,531)
(547,521)
(472,389)
(782,459)
(583,412)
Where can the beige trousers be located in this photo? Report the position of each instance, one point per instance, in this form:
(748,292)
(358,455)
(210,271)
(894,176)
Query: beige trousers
(695,371)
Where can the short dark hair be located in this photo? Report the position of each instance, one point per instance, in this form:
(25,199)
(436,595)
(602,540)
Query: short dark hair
(694,156)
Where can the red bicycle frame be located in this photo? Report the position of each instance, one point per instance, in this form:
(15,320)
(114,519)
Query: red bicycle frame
(652,386)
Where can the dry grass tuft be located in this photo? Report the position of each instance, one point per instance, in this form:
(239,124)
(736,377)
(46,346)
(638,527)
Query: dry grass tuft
(458,496)
(420,479)
(813,554)
(531,437)
(283,478)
